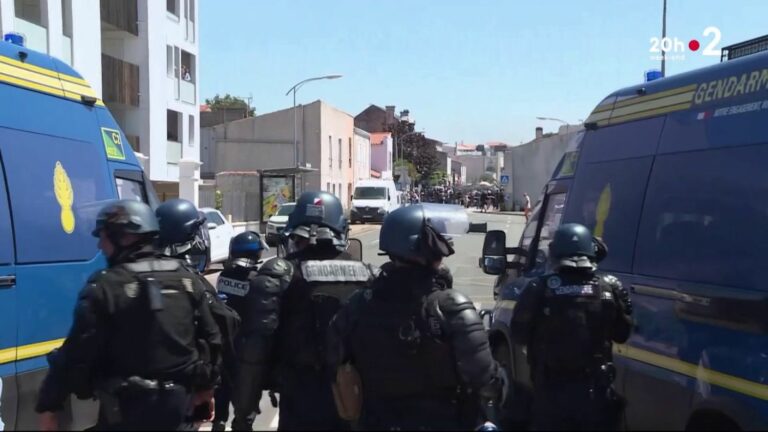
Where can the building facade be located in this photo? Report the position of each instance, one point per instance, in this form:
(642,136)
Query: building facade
(381,154)
(141,58)
(362,165)
(325,138)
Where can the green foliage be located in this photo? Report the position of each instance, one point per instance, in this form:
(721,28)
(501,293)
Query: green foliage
(415,149)
(487,177)
(219,200)
(228,102)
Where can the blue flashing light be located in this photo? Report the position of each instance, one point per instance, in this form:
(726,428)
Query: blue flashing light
(653,75)
(14,38)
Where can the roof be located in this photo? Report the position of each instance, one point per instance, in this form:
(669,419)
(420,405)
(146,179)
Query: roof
(205,108)
(378,137)
(465,147)
(375,174)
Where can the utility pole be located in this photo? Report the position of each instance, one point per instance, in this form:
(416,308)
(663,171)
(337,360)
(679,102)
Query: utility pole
(663,37)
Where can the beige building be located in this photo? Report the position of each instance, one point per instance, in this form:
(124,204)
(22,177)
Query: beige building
(326,143)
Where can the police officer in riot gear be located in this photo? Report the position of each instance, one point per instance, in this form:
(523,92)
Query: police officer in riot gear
(324,277)
(182,236)
(255,295)
(419,346)
(569,320)
(143,340)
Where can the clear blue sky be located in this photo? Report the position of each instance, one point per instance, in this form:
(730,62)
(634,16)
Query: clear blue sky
(475,71)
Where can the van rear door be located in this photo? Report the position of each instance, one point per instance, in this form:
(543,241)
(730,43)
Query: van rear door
(8,330)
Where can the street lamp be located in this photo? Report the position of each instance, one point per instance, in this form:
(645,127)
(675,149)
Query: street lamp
(553,119)
(294,89)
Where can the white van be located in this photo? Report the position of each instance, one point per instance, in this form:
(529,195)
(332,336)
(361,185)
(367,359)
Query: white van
(373,200)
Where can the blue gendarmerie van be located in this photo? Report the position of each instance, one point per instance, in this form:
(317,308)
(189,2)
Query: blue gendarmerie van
(62,156)
(672,175)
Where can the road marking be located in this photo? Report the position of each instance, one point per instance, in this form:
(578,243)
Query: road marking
(275,421)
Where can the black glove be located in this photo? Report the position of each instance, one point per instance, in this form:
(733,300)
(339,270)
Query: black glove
(624,299)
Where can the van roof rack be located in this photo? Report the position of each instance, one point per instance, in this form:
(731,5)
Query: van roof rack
(743,49)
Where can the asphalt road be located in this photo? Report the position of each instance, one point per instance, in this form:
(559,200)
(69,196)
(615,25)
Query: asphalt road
(467,276)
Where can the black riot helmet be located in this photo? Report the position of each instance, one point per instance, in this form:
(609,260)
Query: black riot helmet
(126,217)
(319,217)
(572,247)
(408,233)
(121,217)
(245,249)
(181,232)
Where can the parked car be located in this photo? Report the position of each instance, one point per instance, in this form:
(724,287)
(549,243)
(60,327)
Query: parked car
(220,232)
(277,222)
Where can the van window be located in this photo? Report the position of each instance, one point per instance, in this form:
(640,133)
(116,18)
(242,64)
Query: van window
(371,192)
(57,186)
(553,214)
(214,217)
(706,218)
(608,201)
(130,189)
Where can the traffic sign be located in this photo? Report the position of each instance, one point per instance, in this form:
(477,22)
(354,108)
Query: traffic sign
(505,180)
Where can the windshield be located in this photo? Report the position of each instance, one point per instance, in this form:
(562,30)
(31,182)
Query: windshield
(286,210)
(370,192)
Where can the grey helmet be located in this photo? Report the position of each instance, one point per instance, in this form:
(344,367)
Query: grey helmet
(572,246)
(409,233)
(319,217)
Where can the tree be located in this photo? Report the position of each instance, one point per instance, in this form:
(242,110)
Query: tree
(229,102)
(415,148)
(487,177)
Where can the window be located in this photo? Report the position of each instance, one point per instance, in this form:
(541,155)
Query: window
(172,6)
(328,187)
(212,216)
(706,218)
(334,188)
(192,129)
(66,18)
(350,152)
(30,10)
(173,126)
(553,214)
(330,152)
(130,189)
(370,192)
(187,67)
(340,156)
(169,67)
(609,201)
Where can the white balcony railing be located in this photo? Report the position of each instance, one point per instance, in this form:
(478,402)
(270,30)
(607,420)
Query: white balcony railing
(173,152)
(36,36)
(66,49)
(187,90)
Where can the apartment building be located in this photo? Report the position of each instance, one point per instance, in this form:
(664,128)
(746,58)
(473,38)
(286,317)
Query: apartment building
(141,58)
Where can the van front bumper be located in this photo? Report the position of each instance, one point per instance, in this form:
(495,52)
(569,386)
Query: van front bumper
(367,214)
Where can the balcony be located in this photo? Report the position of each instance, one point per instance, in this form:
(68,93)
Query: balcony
(187,92)
(36,36)
(173,152)
(121,15)
(120,81)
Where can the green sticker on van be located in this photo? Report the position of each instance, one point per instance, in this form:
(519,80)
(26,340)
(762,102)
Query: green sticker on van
(113,143)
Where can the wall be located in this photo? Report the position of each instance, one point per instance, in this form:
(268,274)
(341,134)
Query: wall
(372,119)
(337,125)
(362,144)
(381,156)
(475,166)
(531,165)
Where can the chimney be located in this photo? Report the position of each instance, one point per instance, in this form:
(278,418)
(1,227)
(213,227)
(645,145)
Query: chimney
(390,119)
(539,132)
(404,115)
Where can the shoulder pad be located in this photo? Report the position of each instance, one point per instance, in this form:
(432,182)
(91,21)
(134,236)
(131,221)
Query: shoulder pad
(335,271)
(96,276)
(374,269)
(610,280)
(276,267)
(453,301)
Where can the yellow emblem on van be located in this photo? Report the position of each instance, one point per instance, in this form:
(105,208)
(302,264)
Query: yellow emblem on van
(603,210)
(62,187)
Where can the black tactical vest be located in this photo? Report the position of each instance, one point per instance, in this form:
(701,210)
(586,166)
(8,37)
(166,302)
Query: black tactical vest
(400,350)
(319,289)
(152,306)
(572,333)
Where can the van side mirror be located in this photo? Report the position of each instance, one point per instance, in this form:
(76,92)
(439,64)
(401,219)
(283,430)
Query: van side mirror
(355,249)
(495,251)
